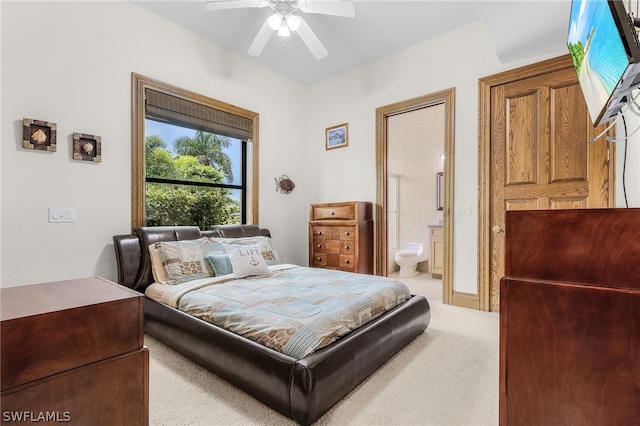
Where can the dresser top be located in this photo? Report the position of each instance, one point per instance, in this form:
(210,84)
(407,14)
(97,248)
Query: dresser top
(36,299)
(588,246)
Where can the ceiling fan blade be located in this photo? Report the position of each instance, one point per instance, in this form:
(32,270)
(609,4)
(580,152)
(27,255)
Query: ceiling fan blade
(235,4)
(311,40)
(261,40)
(328,7)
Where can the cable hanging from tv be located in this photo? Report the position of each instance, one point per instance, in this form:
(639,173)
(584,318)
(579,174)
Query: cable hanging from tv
(628,106)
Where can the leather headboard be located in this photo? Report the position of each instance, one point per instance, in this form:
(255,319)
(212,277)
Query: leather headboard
(132,254)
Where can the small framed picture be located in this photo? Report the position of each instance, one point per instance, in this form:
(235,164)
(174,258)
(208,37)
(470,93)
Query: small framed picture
(87,147)
(337,136)
(39,135)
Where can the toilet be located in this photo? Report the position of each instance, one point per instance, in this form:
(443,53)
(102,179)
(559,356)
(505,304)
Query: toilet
(408,257)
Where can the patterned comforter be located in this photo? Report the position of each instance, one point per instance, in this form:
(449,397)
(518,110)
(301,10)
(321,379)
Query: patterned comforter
(294,310)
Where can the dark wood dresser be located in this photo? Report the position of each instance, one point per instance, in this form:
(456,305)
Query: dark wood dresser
(341,236)
(73,352)
(570,318)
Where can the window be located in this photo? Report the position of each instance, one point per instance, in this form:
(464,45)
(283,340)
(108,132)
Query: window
(194,159)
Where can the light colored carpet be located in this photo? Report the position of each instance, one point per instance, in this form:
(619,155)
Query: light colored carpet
(446,376)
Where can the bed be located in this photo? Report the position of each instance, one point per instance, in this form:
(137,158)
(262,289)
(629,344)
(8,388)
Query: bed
(300,387)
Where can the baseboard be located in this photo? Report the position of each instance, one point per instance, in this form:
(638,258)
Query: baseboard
(466,300)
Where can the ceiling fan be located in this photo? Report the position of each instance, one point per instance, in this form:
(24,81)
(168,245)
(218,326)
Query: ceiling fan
(285,21)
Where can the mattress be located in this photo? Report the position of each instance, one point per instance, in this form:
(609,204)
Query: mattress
(294,310)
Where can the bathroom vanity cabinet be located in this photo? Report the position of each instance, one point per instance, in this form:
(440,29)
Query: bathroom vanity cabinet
(341,236)
(436,252)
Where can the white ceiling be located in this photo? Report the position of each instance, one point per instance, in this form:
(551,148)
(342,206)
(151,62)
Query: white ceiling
(519,29)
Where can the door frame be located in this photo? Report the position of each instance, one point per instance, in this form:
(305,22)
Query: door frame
(447,98)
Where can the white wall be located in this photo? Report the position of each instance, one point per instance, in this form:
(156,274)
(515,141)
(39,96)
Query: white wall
(632,172)
(70,63)
(456,59)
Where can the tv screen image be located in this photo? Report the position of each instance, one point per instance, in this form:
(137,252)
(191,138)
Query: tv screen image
(597,51)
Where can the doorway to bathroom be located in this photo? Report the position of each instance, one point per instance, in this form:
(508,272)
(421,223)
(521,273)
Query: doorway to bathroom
(414,141)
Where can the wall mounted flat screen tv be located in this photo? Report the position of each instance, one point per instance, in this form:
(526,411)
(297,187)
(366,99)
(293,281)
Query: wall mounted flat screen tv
(605,51)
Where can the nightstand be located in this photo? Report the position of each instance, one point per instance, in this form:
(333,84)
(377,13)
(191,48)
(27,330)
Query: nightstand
(73,351)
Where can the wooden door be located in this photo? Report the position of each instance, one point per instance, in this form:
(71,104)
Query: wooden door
(540,156)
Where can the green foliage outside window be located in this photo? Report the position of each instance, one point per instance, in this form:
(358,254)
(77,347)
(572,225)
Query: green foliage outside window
(198,160)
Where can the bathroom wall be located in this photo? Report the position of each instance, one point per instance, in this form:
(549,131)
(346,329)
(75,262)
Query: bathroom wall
(393,238)
(416,144)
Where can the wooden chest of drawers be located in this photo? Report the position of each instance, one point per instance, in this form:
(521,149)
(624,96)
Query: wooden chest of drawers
(73,351)
(570,318)
(341,236)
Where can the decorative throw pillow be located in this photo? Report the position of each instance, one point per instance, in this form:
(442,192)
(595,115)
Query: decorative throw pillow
(215,246)
(184,260)
(246,260)
(220,262)
(266,245)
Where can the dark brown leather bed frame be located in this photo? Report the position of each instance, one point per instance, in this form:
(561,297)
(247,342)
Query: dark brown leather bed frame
(302,389)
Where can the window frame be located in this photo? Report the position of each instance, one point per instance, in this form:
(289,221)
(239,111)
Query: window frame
(139,84)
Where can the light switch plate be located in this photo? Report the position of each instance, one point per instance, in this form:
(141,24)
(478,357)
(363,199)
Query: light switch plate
(463,211)
(62,214)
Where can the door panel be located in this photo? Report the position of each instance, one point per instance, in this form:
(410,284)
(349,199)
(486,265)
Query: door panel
(540,154)
(521,137)
(568,126)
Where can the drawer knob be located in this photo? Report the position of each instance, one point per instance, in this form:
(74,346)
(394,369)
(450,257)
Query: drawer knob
(319,259)
(346,261)
(319,233)
(346,233)
(333,213)
(319,246)
(346,247)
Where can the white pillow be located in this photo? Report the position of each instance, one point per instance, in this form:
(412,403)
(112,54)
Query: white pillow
(267,247)
(246,260)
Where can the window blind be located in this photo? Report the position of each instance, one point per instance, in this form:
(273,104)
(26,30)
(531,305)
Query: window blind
(164,107)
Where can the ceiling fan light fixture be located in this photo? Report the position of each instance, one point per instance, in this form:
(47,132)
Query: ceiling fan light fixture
(284,30)
(275,21)
(293,22)
(283,21)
